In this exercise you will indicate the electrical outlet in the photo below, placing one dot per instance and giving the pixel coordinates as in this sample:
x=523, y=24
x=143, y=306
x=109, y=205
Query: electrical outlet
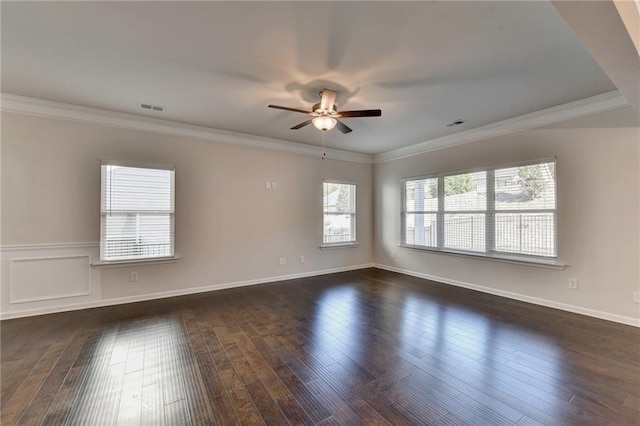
x=393, y=254
x=636, y=297
x=134, y=276
x=268, y=185
x=274, y=185
x=283, y=261
x=301, y=259
x=573, y=283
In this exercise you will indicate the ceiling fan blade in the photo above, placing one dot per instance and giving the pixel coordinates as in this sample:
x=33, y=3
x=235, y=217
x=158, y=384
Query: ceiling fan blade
x=301, y=125
x=362, y=113
x=328, y=98
x=343, y=127
x=289, y=109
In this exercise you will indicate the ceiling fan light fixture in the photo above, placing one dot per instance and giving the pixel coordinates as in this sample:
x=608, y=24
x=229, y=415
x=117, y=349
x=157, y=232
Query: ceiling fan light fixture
x=325, y=113
x=324, y=122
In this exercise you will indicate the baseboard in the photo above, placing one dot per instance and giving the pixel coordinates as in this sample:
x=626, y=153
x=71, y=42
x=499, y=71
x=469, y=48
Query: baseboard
x=516, y=296
x=174, y=293
x=221, y=286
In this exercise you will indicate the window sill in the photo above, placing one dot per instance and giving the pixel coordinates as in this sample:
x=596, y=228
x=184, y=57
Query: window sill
x=338, y=246
x=141, y=262
x=504, y=258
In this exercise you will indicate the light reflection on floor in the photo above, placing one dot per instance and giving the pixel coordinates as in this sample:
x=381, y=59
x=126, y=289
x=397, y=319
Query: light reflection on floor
x=133, y=375
x=334, y=325
x=445, y=340
x=487, y=355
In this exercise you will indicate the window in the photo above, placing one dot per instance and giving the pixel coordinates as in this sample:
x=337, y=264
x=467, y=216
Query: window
x=496, y=211
x=525, y=212
x=465, y=211
x=339, y=208
x=421, y=208
x=137, y=213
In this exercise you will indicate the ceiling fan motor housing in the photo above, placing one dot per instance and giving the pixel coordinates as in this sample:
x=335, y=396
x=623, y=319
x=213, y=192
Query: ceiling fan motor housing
x=317, y=108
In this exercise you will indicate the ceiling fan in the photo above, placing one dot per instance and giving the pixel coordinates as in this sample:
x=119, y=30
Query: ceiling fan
x=325, y=113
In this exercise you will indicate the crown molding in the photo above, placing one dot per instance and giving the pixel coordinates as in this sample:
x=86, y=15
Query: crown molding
x=62, y=111
x=87, y=115
x=595, y=104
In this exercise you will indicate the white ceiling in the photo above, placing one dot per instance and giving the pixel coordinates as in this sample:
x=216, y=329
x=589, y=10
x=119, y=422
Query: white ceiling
x=219, y=64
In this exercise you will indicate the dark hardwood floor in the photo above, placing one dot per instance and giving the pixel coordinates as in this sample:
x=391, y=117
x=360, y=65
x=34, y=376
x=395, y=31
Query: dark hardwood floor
x=364, y=347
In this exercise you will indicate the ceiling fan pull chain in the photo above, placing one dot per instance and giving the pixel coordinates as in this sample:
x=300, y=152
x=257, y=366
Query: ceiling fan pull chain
x=324, y=153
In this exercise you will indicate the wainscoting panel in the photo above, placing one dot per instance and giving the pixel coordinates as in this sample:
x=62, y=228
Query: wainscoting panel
x=45, y=278
x=38, y=277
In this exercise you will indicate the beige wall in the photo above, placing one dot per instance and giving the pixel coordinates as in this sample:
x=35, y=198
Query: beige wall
x=229, y=227
x=598, y=216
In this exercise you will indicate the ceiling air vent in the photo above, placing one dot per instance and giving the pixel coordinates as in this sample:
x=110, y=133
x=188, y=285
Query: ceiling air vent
x=151, y=107
x=456, y=123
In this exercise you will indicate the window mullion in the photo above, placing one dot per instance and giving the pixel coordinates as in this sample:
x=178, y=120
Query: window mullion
x=419, y=200
x=403, y=213
x=440, y=216
x=490, y=217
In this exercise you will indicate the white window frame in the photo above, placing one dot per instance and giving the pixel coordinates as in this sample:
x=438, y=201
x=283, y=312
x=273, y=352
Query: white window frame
x=353, y=241
x=490, y=215
x=104, y=213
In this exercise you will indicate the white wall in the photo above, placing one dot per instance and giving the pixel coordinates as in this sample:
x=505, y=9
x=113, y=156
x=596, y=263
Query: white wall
x=229, y=227
x=598, y=218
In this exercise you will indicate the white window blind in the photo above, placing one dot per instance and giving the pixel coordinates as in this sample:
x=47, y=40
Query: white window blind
x=420, y=225
x=137, y=213
x=525, y=210
x=465, y=210
x=499, y=210
x=339, y=208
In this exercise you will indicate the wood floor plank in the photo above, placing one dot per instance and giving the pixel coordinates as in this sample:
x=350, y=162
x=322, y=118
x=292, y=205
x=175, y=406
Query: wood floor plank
x=366, y=347
x=341, y=413
x=152, y=408
x=42, y=401
x=263, y=370
x=130, y=405
x=243, y=406
x=367, y=413
x=267, y=407
x=67, y=399
x=29, y=387
x=297, y=396
x=293, y=412
x=177, y=413
x=21, y=370
x=201, y=393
